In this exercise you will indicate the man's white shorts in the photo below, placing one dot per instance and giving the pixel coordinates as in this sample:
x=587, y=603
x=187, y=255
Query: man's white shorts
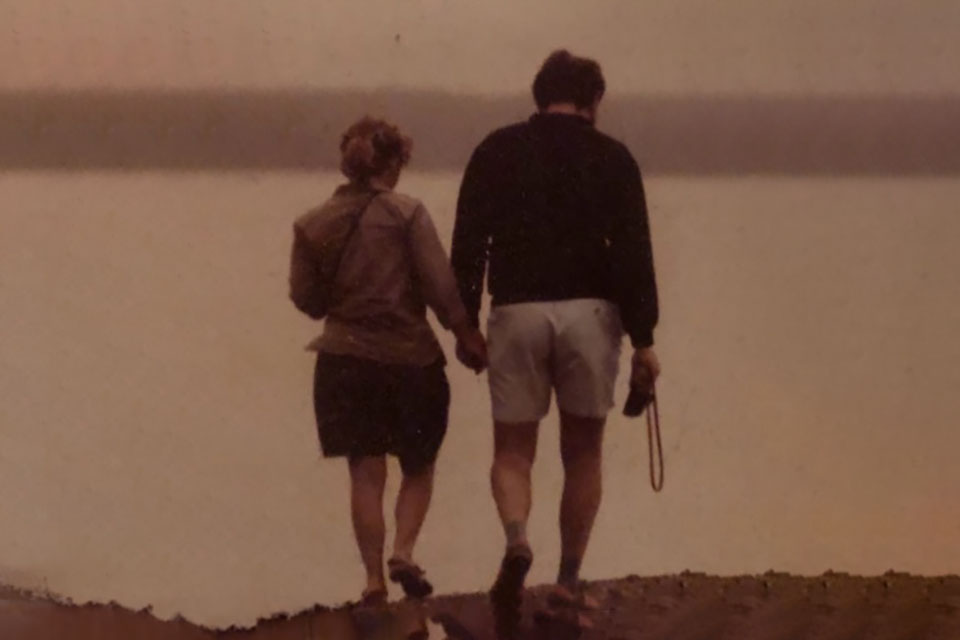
x=571, y=346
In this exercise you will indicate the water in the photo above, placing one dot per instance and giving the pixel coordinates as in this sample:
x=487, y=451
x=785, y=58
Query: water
x=157, y=443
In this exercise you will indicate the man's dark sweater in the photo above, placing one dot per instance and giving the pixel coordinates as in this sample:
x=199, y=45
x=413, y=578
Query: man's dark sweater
x=559, y=209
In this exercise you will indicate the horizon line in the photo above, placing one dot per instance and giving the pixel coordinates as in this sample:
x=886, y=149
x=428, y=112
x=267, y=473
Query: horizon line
x=690, y=134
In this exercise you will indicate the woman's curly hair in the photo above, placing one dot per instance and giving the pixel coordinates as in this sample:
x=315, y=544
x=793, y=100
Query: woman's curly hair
x=370, y=146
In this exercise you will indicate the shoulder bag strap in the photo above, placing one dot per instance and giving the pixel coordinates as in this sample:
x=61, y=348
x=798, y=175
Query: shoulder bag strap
x=354, y=225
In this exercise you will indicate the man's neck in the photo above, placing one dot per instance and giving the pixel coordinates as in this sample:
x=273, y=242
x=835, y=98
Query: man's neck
x=571, y=109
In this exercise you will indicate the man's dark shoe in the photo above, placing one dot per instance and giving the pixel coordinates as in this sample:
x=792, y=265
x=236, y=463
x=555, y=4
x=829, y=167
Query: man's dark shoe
x=513, y=570
x=506, y=595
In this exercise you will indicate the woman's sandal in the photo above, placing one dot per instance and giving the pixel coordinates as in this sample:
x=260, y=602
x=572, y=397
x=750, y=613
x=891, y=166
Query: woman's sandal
x=410, y=576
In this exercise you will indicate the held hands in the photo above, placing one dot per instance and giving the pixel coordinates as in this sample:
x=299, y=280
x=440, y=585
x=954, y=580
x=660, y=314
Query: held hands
x=472, y=349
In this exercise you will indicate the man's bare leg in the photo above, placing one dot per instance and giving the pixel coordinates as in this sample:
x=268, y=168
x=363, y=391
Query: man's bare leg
x=411, y=510
x=515, y=446
x=581, y=448
x=368, y=476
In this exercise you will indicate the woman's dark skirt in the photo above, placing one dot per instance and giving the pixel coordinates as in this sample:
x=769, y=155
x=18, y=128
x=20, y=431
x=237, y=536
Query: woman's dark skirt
x=367, y=408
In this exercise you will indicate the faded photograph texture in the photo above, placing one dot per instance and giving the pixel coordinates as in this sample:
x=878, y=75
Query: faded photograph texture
x=157, y=438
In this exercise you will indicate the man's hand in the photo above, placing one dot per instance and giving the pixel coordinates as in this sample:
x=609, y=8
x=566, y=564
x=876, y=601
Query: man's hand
x=472, y=349
x=645, y=368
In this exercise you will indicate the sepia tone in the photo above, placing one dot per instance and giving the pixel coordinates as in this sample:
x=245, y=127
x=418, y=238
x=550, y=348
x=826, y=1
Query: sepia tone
x=157, y=447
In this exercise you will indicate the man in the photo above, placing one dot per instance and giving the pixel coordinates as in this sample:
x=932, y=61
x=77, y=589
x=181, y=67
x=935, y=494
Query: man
x=558, y=209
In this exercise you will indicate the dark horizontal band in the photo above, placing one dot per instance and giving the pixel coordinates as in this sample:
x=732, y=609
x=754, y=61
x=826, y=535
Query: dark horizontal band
x=684, y=134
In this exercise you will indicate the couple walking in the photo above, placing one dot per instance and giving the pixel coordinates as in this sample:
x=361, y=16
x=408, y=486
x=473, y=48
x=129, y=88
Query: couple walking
x=556, y=210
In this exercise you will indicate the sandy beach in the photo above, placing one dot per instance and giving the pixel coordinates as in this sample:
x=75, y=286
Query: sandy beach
x=687, y=606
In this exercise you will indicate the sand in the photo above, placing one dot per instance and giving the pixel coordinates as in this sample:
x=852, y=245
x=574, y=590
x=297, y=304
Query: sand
x=686, y=606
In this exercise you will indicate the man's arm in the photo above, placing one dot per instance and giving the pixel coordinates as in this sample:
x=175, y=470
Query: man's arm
x=632, y=258
x=471, y=232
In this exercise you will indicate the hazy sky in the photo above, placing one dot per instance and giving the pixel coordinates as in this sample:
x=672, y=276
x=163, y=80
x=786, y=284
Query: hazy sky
x=853, y=46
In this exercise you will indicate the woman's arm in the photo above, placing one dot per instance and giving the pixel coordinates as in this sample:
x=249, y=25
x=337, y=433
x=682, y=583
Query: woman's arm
x=303, y=274
x=434, y=273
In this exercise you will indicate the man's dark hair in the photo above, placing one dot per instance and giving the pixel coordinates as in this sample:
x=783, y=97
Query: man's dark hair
x=565, y=77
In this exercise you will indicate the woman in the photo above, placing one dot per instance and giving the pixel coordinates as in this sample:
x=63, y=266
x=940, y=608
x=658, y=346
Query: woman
x=379, y=385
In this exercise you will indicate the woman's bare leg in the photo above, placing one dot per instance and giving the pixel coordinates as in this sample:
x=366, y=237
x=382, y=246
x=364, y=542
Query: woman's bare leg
x=411, y=510
x=368, y=476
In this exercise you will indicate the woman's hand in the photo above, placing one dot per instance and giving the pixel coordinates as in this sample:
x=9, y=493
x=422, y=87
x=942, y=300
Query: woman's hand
x=472, y=348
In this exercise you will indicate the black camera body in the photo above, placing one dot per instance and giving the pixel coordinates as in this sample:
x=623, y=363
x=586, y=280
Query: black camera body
x=638, y=400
